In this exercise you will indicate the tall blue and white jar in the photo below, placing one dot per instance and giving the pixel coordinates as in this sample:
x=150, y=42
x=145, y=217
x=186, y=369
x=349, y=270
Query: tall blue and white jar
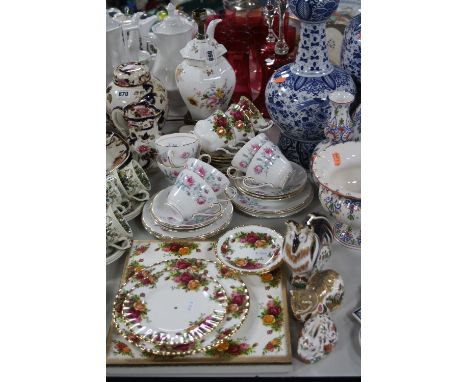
x=297, y=94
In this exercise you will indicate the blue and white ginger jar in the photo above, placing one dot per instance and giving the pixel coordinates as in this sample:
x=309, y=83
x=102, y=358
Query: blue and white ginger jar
x=351, y=48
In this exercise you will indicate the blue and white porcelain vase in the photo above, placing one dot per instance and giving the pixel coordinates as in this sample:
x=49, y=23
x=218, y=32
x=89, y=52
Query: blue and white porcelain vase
x=297, y=94
x=351, y=48
x=357, y=123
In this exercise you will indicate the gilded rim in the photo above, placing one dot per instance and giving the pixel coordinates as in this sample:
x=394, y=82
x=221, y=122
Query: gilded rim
x=250, y=272
x=128, y=324
x=188, y=238
x=190, y=352
x=280, y=197
x=276, y=216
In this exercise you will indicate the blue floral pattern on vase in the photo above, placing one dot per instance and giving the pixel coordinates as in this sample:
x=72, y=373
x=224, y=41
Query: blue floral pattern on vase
x=297, y=94
x=351, y=48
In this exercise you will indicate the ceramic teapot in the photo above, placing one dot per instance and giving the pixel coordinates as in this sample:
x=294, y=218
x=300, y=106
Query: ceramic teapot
x=170, y=36
x=133, y=83
x=205, y=78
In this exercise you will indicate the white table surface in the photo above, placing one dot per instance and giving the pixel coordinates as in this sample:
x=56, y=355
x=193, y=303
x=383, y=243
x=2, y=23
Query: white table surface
x=345, y=360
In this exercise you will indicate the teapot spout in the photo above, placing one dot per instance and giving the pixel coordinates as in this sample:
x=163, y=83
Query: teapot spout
x=211, y=28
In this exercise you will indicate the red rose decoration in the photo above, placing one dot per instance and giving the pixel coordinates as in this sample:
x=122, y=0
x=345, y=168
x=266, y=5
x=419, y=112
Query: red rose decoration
x=181, y=347
x=238, y=299
x=327, y=348
x=274, y=310
x=174, y=247
x=182, y=264
x=251, y=238
x=234, y=349
x=186, y=277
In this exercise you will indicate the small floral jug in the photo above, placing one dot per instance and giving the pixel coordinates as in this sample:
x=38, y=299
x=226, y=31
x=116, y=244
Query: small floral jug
x=132, y=82
x=141, y=120
x=205, y=78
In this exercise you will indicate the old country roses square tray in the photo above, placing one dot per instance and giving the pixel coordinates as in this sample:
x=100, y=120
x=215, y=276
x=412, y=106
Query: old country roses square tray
x=255, y=328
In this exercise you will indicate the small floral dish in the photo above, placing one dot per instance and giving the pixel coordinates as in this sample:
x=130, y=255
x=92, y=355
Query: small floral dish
x=294, y=185
x=165, y=216
x=337, y=169
x=173, y=312
x=250, y=249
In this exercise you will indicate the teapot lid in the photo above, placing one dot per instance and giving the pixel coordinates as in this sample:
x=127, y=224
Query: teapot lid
x=197, y=49
x=173, y=23
x=131, y=74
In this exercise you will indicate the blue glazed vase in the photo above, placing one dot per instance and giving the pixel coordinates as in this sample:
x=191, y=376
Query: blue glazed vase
x=351, y=48
x=297, y=94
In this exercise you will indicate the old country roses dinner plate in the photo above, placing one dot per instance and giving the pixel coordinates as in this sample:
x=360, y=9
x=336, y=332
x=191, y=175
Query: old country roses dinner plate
x=238, y=301
x=250, y=249
x=177, y=308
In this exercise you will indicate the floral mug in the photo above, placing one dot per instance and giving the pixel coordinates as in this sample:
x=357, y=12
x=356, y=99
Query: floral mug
x=269, y=167
x=191, y=195
x=216, y=133
x=175, y=149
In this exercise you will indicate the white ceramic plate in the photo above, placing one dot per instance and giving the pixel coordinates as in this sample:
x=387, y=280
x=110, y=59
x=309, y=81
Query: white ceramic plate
x=274, y=208
x=237, y=296
x=295, y=184
x=206, y=232
x=250, y=249
x=166, y=218
x=117, y=151
x=176, y=308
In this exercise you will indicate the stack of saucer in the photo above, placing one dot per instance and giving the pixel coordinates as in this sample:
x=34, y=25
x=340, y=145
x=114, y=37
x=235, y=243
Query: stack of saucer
x=270, y=186
x=221, y=160
x=197, y=206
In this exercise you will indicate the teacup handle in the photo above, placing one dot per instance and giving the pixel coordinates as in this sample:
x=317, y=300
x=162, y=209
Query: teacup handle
x=229, y=190
x=170, y=157
x=124, y=243
x=123, y=207
x=118, y=119
x=207, y=214
x=263, y=129
x=246, y=182
x=144, y=193
x=231, y=174
x=207, y=156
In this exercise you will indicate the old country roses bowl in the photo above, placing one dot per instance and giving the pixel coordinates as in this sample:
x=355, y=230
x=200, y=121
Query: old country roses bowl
x=250, y=249
x=338, y=171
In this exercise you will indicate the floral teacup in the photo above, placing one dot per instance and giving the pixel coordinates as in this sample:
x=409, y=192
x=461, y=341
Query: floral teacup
x=269, y=167
x=242, y=127
x=216, y=133
x=135, y=181
x=118, y=231
x=171, y=173
x=259, y=123
x=215, y=178
x=244, y=156
x=191, y=195
x=175, y=149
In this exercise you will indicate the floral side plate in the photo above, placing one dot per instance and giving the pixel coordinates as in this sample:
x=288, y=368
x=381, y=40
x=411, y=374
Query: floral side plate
x=163, y=233
x=250, y=249
x=295, y=184
x=185, y=269
x=117, y=151
x=165, y=216
x=172, y=311
x=254, y=206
